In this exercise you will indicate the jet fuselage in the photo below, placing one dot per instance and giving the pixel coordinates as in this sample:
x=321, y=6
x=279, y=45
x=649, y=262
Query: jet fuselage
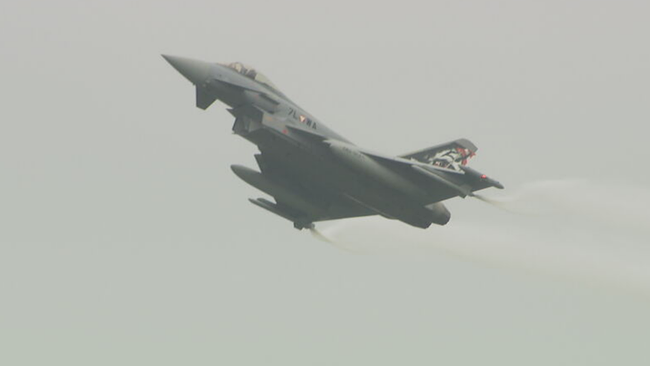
x=313, y=173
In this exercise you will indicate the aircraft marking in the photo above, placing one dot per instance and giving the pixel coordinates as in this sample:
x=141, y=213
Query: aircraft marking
x=301, y=118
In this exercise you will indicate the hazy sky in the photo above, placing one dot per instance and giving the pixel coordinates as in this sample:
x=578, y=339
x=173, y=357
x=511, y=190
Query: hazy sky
x=125, y=238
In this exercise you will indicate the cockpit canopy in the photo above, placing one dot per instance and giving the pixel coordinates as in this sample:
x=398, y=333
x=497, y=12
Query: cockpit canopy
x=253, y=74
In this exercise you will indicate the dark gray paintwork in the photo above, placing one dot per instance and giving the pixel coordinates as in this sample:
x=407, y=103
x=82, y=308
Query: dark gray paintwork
x=313, y=173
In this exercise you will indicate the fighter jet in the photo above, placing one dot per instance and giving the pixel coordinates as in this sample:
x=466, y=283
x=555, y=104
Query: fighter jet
x=315, y=174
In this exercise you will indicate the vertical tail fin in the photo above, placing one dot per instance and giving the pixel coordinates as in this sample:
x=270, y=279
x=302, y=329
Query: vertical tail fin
x=450, y=155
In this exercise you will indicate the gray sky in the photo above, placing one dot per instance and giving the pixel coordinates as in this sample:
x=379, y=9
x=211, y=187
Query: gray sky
x=125, y=238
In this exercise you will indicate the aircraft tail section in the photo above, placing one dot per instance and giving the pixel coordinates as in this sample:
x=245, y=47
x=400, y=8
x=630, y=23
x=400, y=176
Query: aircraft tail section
x=450, y=155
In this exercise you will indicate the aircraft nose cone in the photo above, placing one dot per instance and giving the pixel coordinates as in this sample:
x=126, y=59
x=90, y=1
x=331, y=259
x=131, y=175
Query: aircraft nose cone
x=194, y=70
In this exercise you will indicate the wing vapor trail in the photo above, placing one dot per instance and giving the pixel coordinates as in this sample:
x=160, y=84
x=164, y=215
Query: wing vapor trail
x=567, y=229
x=318, y=235
x=322, y=237
x=594, y=203
x=502, y=204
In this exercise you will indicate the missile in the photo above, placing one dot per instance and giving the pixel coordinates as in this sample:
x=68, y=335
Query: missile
x=272, y=207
